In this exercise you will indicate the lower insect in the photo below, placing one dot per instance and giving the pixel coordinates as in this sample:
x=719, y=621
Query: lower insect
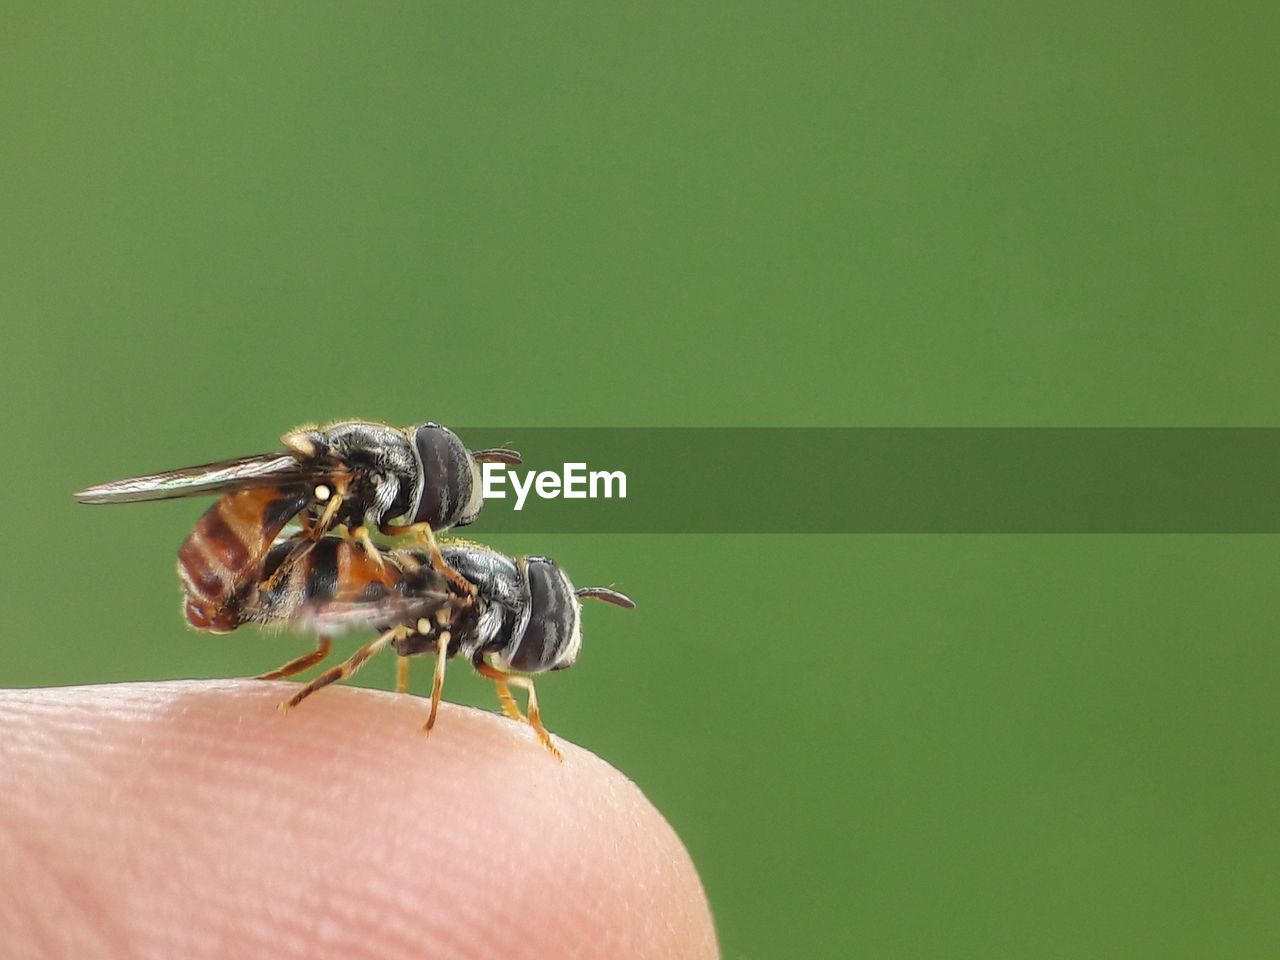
x=521, y=618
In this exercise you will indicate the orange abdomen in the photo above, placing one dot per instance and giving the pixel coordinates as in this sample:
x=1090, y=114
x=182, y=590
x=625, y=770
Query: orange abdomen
x=222, y=558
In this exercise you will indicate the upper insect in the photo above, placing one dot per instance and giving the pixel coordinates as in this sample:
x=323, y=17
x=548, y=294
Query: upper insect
x=363, y=474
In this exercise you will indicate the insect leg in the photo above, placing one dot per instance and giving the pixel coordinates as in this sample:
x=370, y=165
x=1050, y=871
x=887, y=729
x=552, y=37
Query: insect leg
x=427, y=538
x=344, y=669
x=402, y=674
x=305, y=524
x=298, y=664
x=437, y=682
x=361, y=536
x=323, y=524
x=535, y=717
x=509, y=705
x=310, y=536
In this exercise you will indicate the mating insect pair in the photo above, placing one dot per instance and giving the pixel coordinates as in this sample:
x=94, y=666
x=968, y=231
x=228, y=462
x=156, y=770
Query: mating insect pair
x=509, y=617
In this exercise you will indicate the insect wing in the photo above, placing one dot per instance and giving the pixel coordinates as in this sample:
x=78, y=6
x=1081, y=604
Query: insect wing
x=261, y=470
x=339, y=615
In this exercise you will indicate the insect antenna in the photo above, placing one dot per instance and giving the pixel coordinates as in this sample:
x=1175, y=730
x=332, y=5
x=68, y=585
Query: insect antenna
x=608, y=596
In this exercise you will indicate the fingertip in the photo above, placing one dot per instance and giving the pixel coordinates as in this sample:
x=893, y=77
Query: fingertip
x=337, y=829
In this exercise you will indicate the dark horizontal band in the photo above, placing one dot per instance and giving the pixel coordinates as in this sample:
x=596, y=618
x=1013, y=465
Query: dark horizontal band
x=899, y=480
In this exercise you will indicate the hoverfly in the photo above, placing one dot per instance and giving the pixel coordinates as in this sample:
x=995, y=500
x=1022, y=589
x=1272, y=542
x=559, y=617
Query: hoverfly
x=359, y=475
x=523, y=618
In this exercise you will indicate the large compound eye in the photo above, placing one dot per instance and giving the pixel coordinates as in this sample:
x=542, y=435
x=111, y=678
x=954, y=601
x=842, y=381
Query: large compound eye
x=446, y=477
x=552, y=634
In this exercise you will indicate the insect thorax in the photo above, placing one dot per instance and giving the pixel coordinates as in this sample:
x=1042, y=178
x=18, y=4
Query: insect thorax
x=383, y=466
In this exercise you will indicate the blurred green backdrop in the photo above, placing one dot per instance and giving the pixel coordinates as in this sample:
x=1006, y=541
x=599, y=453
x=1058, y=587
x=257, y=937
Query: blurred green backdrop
x=220, y=221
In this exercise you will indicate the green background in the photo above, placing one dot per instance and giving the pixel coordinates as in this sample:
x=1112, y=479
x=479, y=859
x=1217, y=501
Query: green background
x=220, y=221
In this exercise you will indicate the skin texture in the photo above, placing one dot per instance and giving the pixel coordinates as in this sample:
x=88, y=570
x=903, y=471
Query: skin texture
x=191, y=819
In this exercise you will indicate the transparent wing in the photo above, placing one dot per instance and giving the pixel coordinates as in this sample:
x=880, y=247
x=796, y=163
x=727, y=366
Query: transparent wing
x=261, y=470
x=338, y=615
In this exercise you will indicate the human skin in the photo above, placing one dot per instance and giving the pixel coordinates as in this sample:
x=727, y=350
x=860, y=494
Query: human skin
x=193, y=820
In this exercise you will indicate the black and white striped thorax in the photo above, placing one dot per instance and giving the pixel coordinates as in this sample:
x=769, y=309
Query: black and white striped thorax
x=530, y=619
x=379, y=461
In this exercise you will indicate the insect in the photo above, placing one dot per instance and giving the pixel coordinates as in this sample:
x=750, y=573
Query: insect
x=360, y=475
x=523, y=618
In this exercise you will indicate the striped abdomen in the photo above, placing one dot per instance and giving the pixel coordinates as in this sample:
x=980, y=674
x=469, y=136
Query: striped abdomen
x=337, y=586
x=221, y=562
